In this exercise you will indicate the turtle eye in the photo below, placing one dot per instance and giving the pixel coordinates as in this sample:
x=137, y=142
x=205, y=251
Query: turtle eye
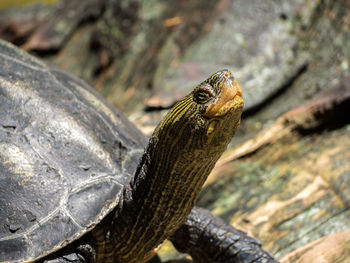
x=202, y=96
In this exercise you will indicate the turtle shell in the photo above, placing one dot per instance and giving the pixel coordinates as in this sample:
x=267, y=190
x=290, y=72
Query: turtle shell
x=65, y=157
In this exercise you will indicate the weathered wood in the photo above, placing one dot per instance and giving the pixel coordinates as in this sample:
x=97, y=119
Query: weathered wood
x=333, y=248
x=17, y=24
x=290, y=184
x=55, y=29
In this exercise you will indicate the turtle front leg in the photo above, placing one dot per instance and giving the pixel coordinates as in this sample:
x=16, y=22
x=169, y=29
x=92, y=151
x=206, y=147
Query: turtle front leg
x=208, y=238
x=69, y=258
x=80, y=254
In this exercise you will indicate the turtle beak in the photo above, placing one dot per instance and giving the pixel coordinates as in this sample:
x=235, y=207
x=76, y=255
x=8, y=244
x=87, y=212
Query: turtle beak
x=230, y=98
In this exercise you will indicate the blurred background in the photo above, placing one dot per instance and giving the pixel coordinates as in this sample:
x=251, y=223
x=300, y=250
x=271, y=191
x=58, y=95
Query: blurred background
x=285, y=178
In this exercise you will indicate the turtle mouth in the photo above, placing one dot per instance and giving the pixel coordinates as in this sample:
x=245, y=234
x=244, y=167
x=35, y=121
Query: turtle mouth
x=233, y=105
x=229, y=100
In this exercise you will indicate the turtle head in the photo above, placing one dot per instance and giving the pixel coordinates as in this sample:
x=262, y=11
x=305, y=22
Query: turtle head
x=208, y=117
x=180, y=155
x=219, y=101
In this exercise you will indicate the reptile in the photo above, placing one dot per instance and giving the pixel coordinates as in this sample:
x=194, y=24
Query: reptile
x=80, y=183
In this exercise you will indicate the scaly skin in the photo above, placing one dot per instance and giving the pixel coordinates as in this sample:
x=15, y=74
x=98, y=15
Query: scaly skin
x=208, y=239
x=180, y=155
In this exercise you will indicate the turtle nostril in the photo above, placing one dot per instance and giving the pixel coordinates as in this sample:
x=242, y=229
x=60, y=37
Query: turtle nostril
x=231, y=77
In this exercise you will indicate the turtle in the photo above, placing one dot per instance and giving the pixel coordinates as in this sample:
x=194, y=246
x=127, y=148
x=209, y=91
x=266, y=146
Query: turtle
x=80, y=183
